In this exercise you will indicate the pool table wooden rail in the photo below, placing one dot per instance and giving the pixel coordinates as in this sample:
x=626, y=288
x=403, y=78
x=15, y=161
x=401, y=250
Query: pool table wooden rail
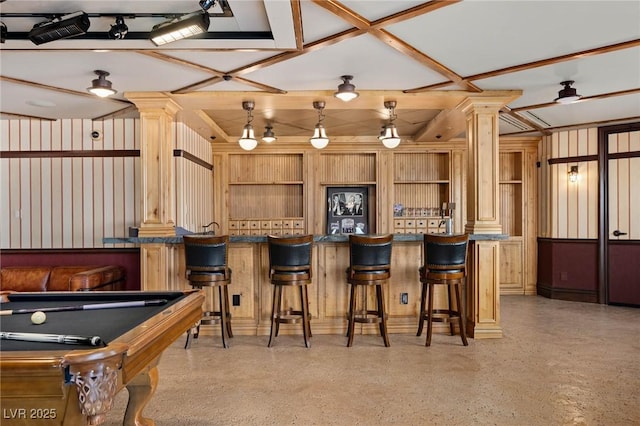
x=77, y=387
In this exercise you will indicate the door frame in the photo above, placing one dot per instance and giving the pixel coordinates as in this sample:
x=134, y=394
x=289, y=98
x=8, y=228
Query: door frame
x=603, y=201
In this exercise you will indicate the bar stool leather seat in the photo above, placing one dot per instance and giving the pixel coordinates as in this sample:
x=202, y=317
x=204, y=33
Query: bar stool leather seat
x=290, y=266
x=369, y=267
x=445, y=260
x=206, y=266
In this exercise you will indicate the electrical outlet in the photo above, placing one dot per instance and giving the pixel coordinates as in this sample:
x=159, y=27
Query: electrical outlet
x=404, y=298
x=235, y=300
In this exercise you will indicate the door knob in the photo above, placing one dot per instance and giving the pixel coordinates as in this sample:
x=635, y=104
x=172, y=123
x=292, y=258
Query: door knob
x=617, y=233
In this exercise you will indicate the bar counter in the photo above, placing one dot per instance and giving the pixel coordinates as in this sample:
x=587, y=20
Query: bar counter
x=162, y=266
x=263, y=239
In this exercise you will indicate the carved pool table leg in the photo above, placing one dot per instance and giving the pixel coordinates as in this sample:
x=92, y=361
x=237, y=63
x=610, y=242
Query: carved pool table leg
x=141, y=389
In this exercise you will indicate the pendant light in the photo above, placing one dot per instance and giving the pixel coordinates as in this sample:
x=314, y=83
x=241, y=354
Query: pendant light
x=319, y=139
x=248, y=139
x=389, y=136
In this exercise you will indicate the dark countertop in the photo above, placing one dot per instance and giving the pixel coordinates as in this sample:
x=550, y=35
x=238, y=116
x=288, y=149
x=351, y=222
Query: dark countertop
x=263, y=239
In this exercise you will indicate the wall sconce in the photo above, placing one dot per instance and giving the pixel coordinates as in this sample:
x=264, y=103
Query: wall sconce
x=268, y=136
x=573, y=174
x=389, y=134
x=248, y=139
x=346, y=90
x=101, y=86
x=319, y=139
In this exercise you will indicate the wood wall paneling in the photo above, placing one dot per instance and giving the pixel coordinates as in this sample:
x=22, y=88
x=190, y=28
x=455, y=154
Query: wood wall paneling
x=67, y=201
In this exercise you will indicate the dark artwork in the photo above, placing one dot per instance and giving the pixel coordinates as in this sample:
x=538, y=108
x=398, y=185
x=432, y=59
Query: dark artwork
x=347, y=210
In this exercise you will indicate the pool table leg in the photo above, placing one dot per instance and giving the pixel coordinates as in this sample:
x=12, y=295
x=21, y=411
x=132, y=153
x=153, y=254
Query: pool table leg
x=141, y=389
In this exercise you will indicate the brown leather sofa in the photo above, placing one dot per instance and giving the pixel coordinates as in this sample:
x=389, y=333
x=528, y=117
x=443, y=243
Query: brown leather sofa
x=62, y=278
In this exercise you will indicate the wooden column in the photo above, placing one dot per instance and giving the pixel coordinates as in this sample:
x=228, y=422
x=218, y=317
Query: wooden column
x=483, y=217
x=157, y=114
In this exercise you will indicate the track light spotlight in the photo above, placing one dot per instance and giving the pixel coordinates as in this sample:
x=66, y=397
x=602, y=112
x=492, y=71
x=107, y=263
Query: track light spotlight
x=346, y=90
x=180, y=28
x=71, y=25
x=206, y=4
x=101, y=86
x=119, y=29
x=3, y=32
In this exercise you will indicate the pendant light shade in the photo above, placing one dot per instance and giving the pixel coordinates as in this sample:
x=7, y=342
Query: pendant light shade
x=248, y=139
x=390, y=138
x=101, y=86
x=346, y=90
x=319, y=139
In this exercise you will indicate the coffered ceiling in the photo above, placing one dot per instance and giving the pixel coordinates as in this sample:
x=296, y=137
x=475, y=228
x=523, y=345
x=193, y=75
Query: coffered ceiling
x=283, y=55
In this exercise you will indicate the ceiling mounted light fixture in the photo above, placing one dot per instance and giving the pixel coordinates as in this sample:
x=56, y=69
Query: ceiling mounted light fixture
x=389, y=135
x=248, y=140
x=3, y=32
x=101, y=86
x=207, y=4
x=568, y=94
x=66, y=26
x=268, y=136
x=319, y=139
x=346, y=90
x=118, y=30
x=177, y=29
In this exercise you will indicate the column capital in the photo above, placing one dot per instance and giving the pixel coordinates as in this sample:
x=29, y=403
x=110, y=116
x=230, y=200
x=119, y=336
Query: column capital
x=153, y=102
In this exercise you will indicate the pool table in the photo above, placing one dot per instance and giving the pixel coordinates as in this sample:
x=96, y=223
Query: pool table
x=75, y=384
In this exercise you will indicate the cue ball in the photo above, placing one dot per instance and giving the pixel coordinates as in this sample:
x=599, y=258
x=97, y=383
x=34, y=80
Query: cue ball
x=38, y=317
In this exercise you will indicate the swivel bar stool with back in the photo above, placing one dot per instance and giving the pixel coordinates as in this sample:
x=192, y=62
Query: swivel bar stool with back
x=445, y=260
x=206, y=267
x=369, y=266
x=290, y=266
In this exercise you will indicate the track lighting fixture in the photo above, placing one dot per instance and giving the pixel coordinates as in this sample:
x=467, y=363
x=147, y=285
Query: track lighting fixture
x=346, y=90
x=568, y=94
x=3, y=32
x=268, y=136
x=319, y=139
x=101, y=86
x=389, y=135
x=207, y=4
x=177, y=29
x=119, y=29
x=66, y=26
x=248, y=140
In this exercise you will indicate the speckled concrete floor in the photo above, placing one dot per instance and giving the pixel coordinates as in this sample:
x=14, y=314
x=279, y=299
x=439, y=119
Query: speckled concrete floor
x=559, y=363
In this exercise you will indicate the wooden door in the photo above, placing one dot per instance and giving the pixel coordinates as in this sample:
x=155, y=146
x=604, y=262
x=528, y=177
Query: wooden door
x=621, y=227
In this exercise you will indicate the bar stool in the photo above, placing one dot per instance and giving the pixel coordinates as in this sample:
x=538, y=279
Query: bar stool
x=206, y=265
x=290, y=266
x=369, y=266
x=445, y=260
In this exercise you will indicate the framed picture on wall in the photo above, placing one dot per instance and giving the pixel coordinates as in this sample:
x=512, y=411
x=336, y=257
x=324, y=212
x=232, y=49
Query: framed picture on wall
x=347, y=210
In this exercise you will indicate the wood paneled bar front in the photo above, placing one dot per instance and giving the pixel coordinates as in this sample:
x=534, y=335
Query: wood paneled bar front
x=328, y=294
